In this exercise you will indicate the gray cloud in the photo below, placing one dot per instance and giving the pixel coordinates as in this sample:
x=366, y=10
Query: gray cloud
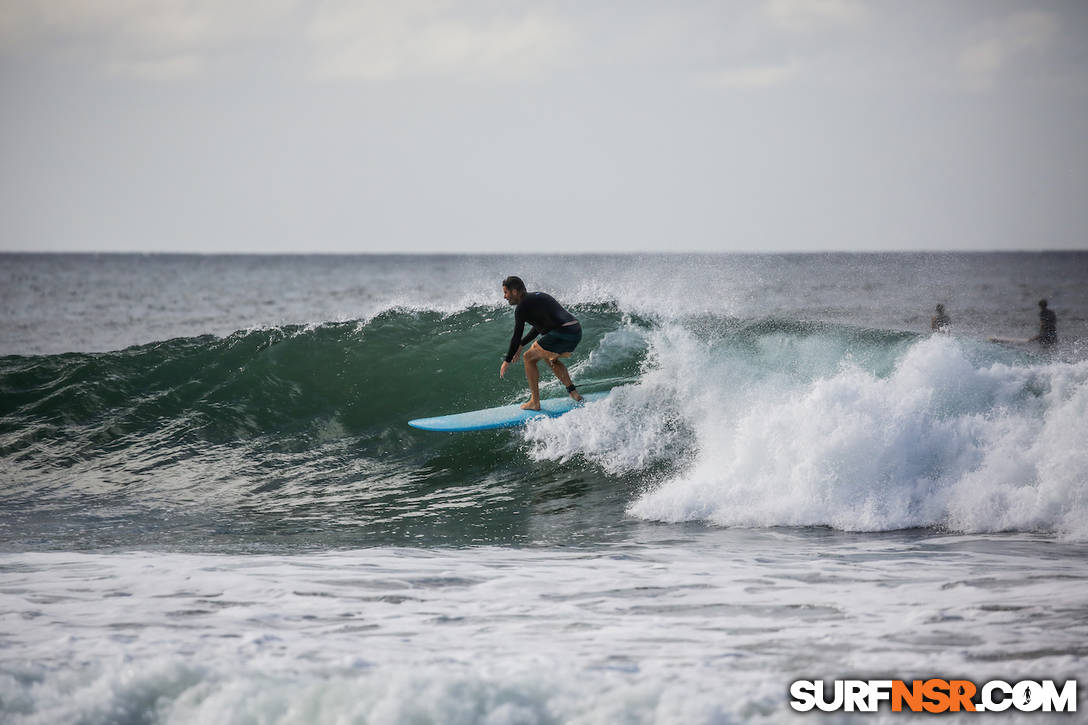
x=807, y=15
x=387, y=41
x=1000, y=44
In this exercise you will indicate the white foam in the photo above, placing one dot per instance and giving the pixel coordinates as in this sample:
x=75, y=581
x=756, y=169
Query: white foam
x=169, y=691
x=709, y=630
x=635, y=427
x=940, y=441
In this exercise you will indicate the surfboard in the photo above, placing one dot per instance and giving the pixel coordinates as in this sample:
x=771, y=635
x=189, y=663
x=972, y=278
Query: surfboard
x=505, y=416
x=1011, y=340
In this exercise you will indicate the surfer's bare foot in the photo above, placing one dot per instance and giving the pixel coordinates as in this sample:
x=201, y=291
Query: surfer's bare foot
x=531, y=405
x=577, y=397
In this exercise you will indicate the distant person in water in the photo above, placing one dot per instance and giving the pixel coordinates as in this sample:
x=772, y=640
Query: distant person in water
x=1048, y=325
x=560, y=332
x=941, y=322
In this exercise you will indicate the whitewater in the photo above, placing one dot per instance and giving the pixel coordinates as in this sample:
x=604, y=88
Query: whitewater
x=212, y=509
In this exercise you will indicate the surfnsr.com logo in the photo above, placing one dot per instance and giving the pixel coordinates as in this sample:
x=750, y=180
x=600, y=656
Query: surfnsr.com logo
x=934, y=695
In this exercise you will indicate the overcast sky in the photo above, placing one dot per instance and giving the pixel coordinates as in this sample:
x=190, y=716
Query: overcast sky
x=552, y=125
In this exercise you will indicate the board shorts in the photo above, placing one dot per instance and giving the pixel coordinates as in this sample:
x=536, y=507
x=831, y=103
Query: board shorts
x=562, y=339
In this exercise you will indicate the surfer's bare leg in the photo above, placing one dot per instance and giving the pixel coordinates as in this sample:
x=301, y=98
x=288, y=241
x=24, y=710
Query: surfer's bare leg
x=532, y=374
x=561, y=372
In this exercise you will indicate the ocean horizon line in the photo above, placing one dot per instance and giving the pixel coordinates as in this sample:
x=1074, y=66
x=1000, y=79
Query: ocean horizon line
x=587, y=254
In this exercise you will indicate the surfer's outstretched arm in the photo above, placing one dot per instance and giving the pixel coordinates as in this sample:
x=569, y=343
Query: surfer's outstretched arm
x=506, y=364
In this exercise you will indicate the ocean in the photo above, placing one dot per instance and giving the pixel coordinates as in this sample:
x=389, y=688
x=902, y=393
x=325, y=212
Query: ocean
x=212, y=509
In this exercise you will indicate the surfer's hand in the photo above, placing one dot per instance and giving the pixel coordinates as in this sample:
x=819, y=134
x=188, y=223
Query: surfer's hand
x=502, y=370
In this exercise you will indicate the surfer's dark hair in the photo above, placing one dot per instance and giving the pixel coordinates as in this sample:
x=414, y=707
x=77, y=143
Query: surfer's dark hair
x=514, y=283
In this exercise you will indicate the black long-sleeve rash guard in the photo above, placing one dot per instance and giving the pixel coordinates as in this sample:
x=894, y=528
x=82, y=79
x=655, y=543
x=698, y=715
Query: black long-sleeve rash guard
x=542, y=312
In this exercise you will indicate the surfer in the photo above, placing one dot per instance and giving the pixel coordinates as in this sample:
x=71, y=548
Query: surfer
x=941, y=322
x=1048, y=326
x=561, y=334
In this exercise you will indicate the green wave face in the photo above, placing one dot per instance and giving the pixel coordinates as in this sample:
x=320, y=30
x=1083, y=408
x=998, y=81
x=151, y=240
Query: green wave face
x=279, y=431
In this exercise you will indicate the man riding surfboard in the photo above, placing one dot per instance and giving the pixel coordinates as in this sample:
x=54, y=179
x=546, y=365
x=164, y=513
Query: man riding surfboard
x=560, y=334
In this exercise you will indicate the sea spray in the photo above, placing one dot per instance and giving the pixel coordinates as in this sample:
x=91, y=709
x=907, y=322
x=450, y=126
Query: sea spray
x=844, y=430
